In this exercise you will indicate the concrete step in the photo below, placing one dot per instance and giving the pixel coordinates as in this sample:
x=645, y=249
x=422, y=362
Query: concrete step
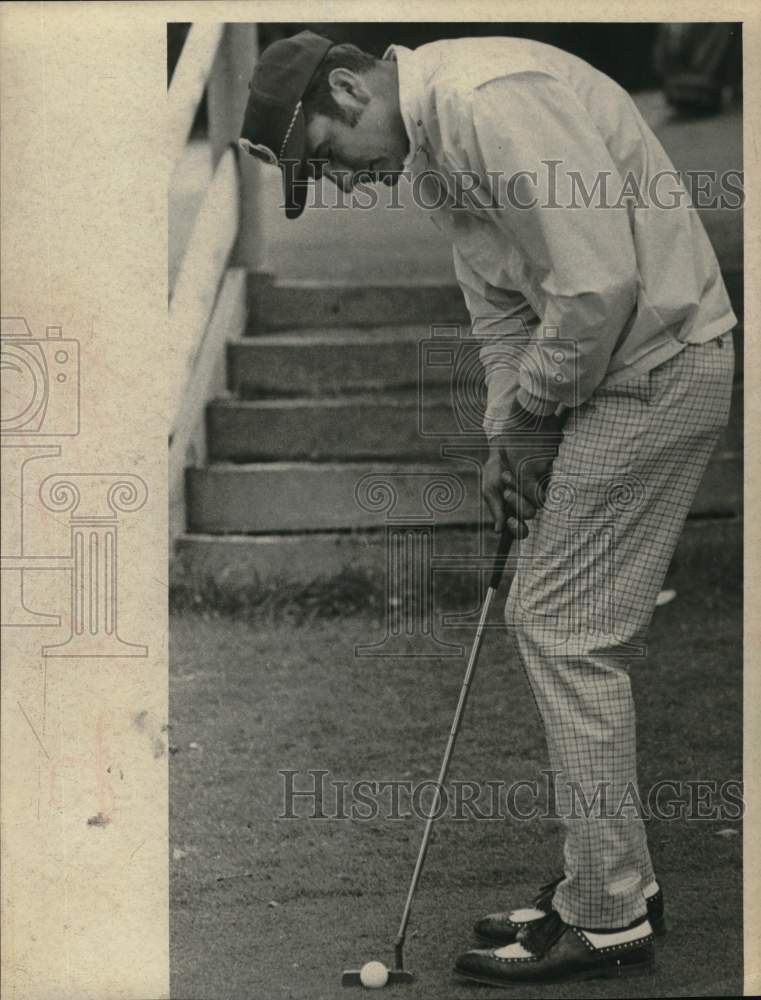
x=386, y=425
x=298, y=304
x=304, y=496
x=329, y=361
x=373, y=426
x=248, y=562
x=324, y=362
x=324, y=338
x=237, y=570
x=349, y=496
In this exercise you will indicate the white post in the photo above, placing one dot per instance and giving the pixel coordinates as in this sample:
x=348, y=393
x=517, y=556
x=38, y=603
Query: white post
x=227, y=97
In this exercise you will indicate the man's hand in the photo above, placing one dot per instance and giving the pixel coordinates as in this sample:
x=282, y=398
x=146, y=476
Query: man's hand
x=515, y=473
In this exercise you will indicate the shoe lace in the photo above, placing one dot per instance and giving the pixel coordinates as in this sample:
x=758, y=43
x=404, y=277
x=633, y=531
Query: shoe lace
x=538, y=936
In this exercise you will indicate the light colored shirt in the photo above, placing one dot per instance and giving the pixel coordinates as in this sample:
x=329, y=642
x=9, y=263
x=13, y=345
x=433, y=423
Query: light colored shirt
x=586, y=287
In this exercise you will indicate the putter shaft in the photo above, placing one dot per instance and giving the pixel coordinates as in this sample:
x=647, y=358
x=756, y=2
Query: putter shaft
x=500, y=560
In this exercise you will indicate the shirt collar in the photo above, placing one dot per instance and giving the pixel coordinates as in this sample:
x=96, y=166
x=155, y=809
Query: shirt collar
x=410, y=98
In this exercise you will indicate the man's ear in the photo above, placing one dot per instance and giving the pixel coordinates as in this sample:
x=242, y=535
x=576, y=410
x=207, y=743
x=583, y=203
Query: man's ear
x=348, y=89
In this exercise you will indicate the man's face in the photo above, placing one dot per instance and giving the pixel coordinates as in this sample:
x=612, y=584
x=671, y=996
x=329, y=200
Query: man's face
x=368, y=139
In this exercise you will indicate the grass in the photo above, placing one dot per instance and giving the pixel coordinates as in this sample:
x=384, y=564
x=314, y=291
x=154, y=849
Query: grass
x=265, y=908
x=351, y=592
x=347, y=593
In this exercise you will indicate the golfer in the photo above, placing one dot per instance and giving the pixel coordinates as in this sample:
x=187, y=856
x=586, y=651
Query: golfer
x=608, y=361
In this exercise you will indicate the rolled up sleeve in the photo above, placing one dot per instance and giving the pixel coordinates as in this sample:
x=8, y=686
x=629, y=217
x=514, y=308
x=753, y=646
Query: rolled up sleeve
x=536, y=144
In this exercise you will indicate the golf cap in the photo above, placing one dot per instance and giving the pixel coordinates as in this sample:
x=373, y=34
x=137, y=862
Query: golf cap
x=274, y=126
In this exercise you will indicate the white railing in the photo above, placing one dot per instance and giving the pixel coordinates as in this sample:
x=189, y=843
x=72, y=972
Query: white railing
x=207, y=305
x=189, y=80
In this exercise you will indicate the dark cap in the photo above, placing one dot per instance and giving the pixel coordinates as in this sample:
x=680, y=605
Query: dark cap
x=274, y=126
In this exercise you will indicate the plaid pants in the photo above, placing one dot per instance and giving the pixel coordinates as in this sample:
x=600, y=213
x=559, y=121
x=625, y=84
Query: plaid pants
x=583, y=598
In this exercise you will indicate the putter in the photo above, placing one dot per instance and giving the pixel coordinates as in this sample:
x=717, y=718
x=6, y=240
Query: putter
x=351, y=977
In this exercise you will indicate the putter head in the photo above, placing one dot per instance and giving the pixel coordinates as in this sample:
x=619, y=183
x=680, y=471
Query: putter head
x=350, y=977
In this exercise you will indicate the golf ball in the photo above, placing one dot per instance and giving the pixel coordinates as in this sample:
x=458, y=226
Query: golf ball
x=373, y=975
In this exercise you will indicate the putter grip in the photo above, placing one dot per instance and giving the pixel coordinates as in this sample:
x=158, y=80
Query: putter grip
x=500, y=557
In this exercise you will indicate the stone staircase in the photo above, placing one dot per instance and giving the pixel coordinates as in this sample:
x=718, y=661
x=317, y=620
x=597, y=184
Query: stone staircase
x=325, y=399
